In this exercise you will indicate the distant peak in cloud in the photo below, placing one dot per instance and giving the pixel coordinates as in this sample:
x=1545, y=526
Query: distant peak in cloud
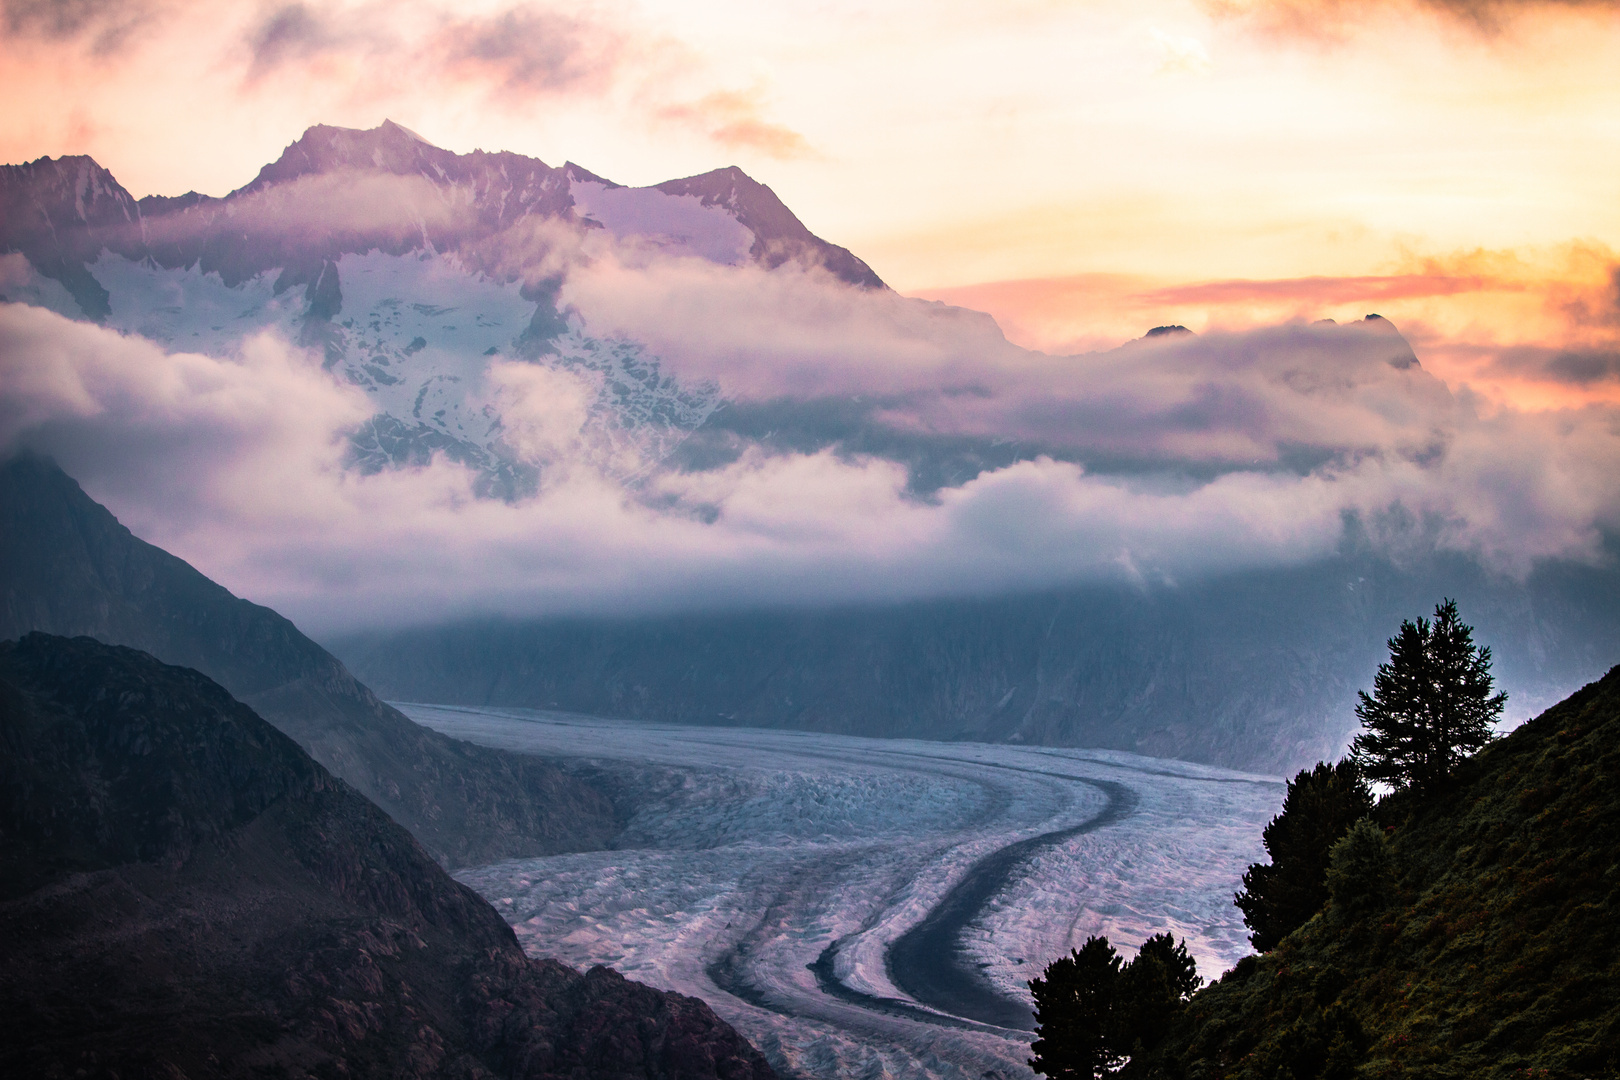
x=1166, y=331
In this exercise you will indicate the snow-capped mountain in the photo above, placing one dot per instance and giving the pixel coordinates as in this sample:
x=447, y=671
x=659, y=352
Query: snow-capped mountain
x=413, y=269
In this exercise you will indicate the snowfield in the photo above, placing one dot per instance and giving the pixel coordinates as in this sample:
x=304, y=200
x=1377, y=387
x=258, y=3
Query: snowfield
x=871, y=907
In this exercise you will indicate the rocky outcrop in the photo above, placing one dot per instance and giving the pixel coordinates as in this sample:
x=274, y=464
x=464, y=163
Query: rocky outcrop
x=68, y=567
x=183, y=892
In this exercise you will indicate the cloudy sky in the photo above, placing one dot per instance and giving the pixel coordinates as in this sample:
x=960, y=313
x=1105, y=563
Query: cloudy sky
x=1080, y=170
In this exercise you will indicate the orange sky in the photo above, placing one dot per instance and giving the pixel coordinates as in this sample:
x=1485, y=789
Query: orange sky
x=1082, y=170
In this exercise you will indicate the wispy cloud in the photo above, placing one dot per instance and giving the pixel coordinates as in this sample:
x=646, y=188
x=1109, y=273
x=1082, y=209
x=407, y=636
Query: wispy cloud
x=531, y=50
x=1338, y=19
x=737, y=119
x=105, y=26
x=521, y=52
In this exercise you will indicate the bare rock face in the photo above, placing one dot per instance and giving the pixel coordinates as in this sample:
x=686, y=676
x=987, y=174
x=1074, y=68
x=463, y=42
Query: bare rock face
x=183, y=892
x=68, y=567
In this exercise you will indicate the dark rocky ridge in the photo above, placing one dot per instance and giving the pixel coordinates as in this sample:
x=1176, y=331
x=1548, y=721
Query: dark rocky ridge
x=1250, y=671
x=186, y=893
x=68, y=567
x=62, y=213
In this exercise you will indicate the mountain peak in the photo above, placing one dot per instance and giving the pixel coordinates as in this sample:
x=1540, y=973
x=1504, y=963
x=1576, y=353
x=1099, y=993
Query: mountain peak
x=389, y=127
x=1377, y=324
x=388, y=147
x=781, y=236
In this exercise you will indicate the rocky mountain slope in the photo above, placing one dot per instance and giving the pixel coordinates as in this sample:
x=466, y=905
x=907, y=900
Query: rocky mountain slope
x=68, y=567
x=183, y=892
x=1252, y=671
x=1488, y=947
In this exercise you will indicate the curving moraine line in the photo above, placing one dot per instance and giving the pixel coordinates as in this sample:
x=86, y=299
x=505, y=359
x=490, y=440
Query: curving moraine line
x=927, y=962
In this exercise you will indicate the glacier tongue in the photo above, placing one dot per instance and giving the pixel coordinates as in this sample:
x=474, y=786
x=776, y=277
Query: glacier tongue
x=771, y=874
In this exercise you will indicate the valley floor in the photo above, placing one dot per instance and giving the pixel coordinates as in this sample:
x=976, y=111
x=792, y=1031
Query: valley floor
x=871, y=907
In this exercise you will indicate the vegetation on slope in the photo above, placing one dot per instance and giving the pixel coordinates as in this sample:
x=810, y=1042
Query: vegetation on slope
x=1475, y=932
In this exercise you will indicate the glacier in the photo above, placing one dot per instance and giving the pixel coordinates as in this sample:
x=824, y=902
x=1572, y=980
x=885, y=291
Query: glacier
x=784, y=877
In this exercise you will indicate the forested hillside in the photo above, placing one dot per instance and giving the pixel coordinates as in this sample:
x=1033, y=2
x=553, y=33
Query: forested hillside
x=1479, y=937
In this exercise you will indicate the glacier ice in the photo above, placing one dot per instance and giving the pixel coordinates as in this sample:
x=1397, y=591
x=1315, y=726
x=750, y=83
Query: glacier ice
x=753, y=856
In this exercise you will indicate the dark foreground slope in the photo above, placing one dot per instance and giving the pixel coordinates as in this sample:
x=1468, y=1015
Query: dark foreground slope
x=68, y=567
x=183, y=892
x=1251, y=671
x=1495, y=954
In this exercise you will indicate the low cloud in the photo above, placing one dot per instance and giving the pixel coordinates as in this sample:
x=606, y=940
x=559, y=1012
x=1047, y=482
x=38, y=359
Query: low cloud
x=1524, y=328
x=236, y=465
x=1240, y=399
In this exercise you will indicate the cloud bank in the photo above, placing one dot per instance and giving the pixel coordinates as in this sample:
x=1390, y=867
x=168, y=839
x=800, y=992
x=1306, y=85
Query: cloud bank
x=1162, y=461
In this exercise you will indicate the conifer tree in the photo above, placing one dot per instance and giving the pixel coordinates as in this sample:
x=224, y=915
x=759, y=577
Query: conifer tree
x=1319, y=807
x=1074, y=1013
x=1152, y=990
x=1431, y=704
x=1093, y=1011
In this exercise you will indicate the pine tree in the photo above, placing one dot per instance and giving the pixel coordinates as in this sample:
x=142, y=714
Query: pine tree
x=1152, y=990
x=1074, y=1013
x=1093, y=1012
x=1431, y=704
x=1319, y=807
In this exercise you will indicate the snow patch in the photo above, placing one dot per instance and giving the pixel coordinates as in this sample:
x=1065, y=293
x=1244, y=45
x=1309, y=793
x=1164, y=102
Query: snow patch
x=679, y=223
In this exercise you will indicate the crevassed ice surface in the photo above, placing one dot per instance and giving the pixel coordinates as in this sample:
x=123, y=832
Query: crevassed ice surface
x=772, y=873
x=419, y=333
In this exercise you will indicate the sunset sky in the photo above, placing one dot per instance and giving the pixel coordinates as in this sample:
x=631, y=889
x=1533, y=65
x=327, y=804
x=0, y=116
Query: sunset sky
x=1082, y=170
